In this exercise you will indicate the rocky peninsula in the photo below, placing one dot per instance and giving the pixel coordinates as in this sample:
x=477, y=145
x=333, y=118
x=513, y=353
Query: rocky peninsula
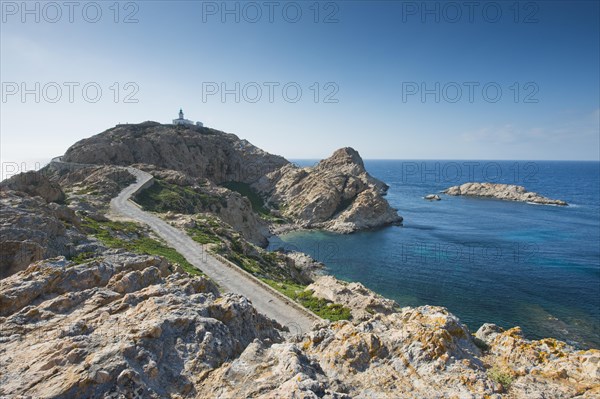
x=337, y=195
x=508, y=192
x=94, y=306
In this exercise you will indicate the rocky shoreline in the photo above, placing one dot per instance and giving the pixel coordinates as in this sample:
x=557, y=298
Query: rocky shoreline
x=132, y=325
x=91, y=307
x=508, y=192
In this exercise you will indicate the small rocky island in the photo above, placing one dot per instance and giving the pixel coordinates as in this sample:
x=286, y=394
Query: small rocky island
x=508, y=192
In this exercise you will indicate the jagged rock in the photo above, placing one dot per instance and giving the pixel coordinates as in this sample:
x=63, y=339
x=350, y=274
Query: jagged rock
x=35, y=184
x=132, y=325
x=32, y=229
x=487, y=332
x=546, y=368
x=196, y=151
x=90, y=188
x=337, y=194
x=508, y=192
x=122, y=326
x=432, y=197
x=304, y=263
x=362, y=302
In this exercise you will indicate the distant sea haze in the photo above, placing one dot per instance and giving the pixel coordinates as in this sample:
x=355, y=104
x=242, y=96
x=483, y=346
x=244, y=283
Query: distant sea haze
x=503, y=262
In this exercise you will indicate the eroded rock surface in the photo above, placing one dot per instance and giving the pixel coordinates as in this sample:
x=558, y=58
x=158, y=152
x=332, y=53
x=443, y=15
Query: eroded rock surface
x=508, y=192
x=337, y=194
x=32, y=229
x=132, y=325
x=121, y=325
x=34, y=184
x=196, y=151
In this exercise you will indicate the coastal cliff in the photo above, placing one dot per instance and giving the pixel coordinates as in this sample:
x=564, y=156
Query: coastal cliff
x=95, y=306
x=196, y=151
x=336, y=195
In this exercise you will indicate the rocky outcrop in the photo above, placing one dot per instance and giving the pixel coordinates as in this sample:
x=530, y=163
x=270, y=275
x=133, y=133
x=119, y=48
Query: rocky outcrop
x=34, y=184
x=362, y=302
x=32, y=229
x=196, y=151
x=127, y=325
x=306, y=264
x=413, y=352
x=508, y=192
x=337, y=194
x=547, y=368
x=432, y=197
x=203, y=196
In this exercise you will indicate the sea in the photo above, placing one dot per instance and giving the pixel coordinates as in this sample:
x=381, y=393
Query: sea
x=486, y=260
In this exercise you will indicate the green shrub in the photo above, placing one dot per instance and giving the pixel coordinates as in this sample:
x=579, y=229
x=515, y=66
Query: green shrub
x=506, y=378
x=164, y=197
x=82, y=257
x=247, y=191
x=322, y=307
x=203, y=235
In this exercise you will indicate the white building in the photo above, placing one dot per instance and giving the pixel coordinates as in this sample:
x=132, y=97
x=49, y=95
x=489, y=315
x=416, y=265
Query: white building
x=182, y=121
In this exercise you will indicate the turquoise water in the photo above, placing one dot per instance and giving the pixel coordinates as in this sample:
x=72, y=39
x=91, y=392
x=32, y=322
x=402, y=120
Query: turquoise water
x=486, y=260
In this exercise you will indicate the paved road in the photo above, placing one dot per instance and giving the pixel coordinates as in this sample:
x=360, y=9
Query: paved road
x=231, y=279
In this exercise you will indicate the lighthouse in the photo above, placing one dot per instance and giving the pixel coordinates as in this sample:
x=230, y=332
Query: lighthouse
x=181, y=120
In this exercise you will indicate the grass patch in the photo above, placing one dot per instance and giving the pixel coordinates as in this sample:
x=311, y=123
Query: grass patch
x=258, y=205
x=505, y=378
x=82, y=257
x=322, y=307
x=203, y=235
x=260, y=263
x=244, y=189
x=163, y=197
x=131, y=236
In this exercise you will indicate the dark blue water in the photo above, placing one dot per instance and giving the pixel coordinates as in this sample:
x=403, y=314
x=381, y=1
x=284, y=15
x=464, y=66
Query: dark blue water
x=486, y=260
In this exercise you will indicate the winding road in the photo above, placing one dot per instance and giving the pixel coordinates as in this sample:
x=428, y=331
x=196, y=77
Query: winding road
x=230, y=278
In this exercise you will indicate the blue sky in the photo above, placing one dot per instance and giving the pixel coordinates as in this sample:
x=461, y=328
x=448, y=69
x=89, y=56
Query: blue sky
x=373, y=59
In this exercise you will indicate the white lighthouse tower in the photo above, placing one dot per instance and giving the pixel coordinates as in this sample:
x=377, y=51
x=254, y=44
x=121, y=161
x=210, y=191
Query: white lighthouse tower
x=181, y=120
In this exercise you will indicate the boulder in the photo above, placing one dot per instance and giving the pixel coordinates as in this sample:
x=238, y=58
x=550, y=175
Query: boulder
x=34, y=183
